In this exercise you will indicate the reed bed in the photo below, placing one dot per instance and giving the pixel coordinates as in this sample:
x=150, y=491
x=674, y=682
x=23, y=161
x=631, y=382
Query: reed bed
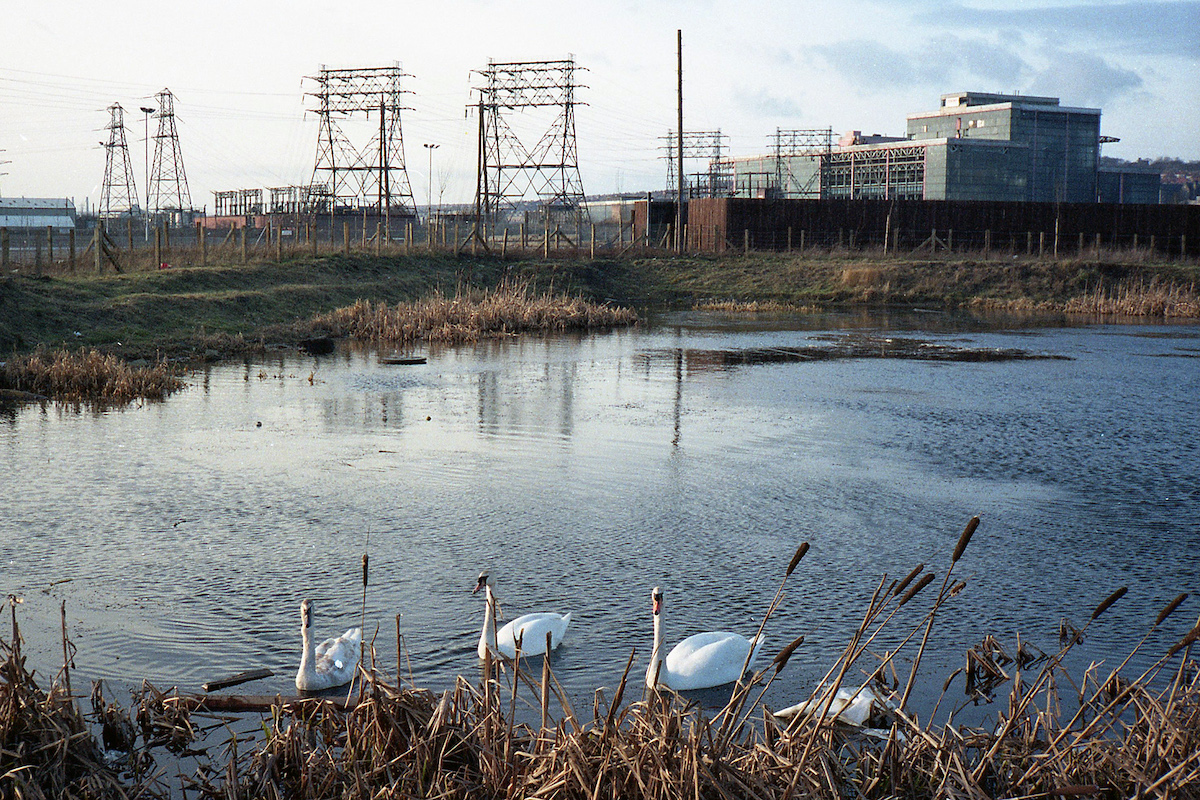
x=1129, y=298
x=513, y=307
x=88, y=376
x=754, y=307
x=1140, y=298
x=1104, y=733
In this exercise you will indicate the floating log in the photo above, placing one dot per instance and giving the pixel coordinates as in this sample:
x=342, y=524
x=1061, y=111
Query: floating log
x=17, y=396
x=402, y=360
x=235, y=680
x=255, y=702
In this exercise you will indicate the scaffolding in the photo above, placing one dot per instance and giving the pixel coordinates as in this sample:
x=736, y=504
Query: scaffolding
x=118, y=196
x=367, y=177
x=510, y=170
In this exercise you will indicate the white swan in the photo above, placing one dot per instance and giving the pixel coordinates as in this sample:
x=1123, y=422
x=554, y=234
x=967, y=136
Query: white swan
x=700, y=661
x=531, y=629
x=332, y=662
x=849, y=707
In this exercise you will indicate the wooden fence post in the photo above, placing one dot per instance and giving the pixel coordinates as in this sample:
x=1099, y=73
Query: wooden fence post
x=378, y=238
x=593, y=240
x=158, y=241
x=242, y=242
x=97, y=238
x=1028, y=243
x=1081, y=243
x=4, y=245
x=50, y=245
x=987, y=242
x=504, y=246
x=166, y=236
x=950, y=240
x=745, y=240
x=71, y=248
x=202, y=237
x=1183, y=246
x=1097, y=245
x=802, y=232
x=1152, y=244
x=346, y=238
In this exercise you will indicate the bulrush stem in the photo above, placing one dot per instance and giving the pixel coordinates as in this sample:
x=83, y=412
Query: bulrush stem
x=963, y=540
x=733, y=708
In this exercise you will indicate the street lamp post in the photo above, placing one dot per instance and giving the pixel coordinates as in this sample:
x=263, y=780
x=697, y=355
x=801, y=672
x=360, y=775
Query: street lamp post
x=429, y=212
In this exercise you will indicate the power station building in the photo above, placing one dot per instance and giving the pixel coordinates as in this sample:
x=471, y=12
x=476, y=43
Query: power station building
x=976, y=146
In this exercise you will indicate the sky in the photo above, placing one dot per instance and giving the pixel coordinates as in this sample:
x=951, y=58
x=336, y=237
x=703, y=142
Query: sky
x=238, y=72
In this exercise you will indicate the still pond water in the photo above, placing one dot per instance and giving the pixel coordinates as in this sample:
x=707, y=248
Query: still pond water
x=583, y=471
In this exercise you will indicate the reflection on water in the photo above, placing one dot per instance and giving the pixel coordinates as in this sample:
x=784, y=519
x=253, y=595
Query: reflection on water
x=582, y=471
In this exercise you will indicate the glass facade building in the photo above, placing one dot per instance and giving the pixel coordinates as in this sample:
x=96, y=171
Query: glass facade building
x=976, y=146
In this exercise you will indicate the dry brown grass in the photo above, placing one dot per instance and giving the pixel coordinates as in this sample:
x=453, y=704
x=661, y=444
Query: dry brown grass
x=1132, y=298
x=754, y=307
x=88, y=376
x=1102, y=734
x=513, y=307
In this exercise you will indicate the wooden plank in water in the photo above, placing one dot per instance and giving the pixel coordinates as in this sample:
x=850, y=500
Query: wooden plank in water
x=255, y=702
x=235, y=680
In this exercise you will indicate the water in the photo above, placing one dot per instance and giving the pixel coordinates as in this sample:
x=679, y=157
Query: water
x=584, y=471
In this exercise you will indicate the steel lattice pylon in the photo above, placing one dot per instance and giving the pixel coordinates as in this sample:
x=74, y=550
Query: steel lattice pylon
x=790, y=143
x=168, y=190
x=510, y=170
x=717, y=181
x=118, y=195
x=350, y=178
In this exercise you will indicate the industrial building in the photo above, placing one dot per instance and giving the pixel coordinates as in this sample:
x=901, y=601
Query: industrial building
x=37, y=213
x=976, y=146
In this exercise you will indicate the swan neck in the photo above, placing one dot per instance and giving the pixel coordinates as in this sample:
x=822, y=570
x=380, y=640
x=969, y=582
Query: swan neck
x=487, y=638
x=307, y=655
x=653, y=672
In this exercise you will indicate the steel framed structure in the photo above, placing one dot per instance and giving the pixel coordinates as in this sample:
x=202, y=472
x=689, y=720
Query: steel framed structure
x=118, y=194
x=373, y=175
x=168, y=190
x=710, y=146
x=510, y=169
x=787, y=144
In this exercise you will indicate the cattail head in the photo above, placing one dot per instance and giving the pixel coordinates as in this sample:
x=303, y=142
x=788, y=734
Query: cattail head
x=965, y=539
x=800, y=551
x=909, y=579
x=1108, y=601
x=1191, y=637
x=781, y=659
x=365, y=559
x=926, y=579
x=1169, y=610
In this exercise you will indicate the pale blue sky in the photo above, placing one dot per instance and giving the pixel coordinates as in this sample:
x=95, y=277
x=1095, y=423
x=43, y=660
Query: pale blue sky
x=237, y=72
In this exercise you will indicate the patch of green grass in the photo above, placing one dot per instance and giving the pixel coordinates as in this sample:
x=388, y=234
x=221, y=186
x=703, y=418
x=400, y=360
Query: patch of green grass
x=176, y=311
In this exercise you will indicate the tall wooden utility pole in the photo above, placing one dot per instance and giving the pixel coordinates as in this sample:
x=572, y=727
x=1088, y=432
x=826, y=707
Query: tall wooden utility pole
x=679, y=146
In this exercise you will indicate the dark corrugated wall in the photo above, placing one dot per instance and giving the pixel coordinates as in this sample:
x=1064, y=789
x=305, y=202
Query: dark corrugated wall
x=718, y=224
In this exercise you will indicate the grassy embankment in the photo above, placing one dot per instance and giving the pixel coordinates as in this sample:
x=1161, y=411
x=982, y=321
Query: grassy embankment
x=221, y=310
